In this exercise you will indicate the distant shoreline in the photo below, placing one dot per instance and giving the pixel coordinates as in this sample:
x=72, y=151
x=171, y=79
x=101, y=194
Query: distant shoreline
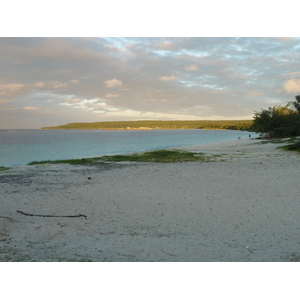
x=245, y=125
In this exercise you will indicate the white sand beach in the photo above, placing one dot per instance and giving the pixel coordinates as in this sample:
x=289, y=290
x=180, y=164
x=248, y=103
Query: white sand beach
x=243, y=206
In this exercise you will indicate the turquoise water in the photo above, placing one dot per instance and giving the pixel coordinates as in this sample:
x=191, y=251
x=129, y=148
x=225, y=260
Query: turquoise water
x=20, y=147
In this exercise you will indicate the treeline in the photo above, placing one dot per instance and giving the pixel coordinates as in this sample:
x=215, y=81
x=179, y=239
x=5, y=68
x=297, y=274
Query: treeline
x=280, y=120
x=154, y=124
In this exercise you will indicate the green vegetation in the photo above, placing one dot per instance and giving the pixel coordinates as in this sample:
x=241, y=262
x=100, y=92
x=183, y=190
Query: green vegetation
x=153, y=124
x=277, y=140
x=295, y=146
x=280, y=121
x=162, y=156
x=81, y=161
x=4, y=169
x=293, y=143
x=291, y=147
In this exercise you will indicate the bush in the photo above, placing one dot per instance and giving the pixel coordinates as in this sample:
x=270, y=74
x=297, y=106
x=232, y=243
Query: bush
x=295, y=146
x=279, y=121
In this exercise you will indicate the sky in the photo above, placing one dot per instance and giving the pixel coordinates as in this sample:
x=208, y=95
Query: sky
x=52, y=81
x=49, y=81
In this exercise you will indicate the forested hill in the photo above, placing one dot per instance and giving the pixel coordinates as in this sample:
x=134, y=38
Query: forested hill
x=153, y=124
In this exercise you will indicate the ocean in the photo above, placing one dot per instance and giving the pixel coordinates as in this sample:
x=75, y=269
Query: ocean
x=22, y=146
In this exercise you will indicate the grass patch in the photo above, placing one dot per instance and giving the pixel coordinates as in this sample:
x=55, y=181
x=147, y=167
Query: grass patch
x=291, y=147
x=294, y=146
x=81, y=161
x=163, y=156
x=293, y=143
x=279, y=141
x=274, y=141
x=4, y=169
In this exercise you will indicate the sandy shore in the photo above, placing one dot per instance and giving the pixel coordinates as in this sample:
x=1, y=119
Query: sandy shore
x=242, y=206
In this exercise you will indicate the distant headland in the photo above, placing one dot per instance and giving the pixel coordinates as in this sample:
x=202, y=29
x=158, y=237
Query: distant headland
x=154, y=124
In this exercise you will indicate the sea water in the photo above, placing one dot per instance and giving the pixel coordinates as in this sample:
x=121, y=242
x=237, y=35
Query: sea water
x=22, y=146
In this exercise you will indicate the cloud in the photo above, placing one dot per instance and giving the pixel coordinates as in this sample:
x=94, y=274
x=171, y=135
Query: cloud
x=58, y=84
x=254, y=93
x=75, y=100
x=112, y=95
x=29, y=108
x=112, y=83
x=199, y=77
x=192, y=68
x=12, y=87
x=292, y=74
x=164, y=45
x=292, y=86
x=39, y=84
x=167, y=78
x=55, y=84
x=13, y=90
x=74, y=81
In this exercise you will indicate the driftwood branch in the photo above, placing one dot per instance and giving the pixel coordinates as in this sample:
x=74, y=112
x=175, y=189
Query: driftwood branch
x=47, y=216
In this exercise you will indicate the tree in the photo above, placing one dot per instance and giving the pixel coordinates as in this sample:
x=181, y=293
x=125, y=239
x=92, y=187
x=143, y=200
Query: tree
x=297, y=104
x=279, y=121
x=266, y=120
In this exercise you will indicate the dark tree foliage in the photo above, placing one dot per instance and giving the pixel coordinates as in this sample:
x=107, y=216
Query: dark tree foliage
x=279, y=121
x=297, y=103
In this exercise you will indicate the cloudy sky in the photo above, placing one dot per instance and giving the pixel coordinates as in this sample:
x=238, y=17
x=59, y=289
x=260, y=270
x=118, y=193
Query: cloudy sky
x=52, y=81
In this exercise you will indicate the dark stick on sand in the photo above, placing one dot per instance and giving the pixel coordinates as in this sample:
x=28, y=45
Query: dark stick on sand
x=47, y=216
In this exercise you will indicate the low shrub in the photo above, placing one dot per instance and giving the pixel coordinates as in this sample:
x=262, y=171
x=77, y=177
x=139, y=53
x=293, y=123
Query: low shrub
x=295, y=146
